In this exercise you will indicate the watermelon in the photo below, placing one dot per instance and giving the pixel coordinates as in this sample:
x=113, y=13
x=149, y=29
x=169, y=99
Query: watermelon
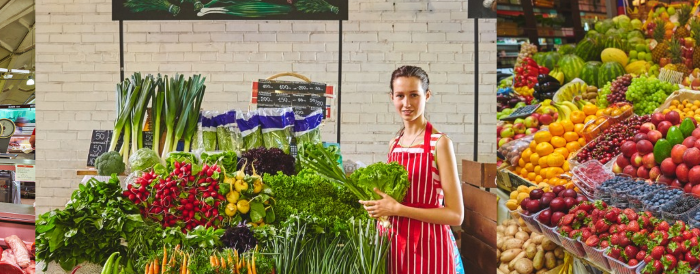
x=604, y=25
x=566, y=49
x=538, y=57
x=635, y=34
x=595, y=36
x=588, y=49
x=609, y=71
x=571, y=65
x=589, y=73
x=550, y=60
x=614, y=42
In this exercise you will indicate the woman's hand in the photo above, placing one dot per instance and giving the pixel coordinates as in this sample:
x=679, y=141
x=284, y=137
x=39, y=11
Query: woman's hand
x=387, y=206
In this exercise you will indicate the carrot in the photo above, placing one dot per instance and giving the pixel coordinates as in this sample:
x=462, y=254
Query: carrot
x=183, y=270
x=248, y=267
x=253, y=262
x=223, y=262
x=156, y=266
x=165, y=259
x=211, y=261
x=148, y=267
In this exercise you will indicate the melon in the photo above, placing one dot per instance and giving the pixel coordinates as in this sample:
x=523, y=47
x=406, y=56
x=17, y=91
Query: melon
x=638, y=67
x=550, y=60
x=608, y=71
x=588, y=49
x=571, y=66
x=589, y=73
x=614, y=55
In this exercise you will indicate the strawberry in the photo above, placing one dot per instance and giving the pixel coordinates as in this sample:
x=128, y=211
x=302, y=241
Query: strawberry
x=663, y=226
x=580, y=214
x=592, y=241
x=574, y=234
x=566, y=220
x=633, y=226
x=693, y=242
x=674, y=249
x=615, y=252
x=695, y=231
x=621, y=227
x=657, y=252
x=687, y=235
x=633, y=262
x=631, y=215
x=631, y=251
x=604, y=244
x=641, y=255
x=644, y=221
x=585, y=234
x=690, y=258
x=602, y=226
x=624, y=240
x=647, y=258
x=615, y=239
x=669, y=261
x=612, y=217
x=586, y=206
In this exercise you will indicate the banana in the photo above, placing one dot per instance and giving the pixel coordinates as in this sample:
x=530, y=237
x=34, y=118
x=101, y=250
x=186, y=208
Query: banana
x=564, y=112
x=570, y=105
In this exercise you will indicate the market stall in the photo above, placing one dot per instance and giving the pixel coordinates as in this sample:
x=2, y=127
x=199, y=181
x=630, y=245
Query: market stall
x=597, y=142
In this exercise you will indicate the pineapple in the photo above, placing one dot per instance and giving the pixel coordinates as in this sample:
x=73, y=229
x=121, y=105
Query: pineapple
x=695, y=32
x=661, y=47
x=683, y=17
x=675, y=52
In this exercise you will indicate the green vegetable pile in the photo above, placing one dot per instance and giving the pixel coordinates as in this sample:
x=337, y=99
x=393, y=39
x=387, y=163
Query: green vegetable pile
x=143, y=159
x=109, y=163
x=90, y=228
x=227, y=159
x=311, y=196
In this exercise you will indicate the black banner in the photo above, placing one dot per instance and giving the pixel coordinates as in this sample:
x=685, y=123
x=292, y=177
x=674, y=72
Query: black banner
x=481, y=9
x=268, y=85
x=99, y=143
x=303, y=104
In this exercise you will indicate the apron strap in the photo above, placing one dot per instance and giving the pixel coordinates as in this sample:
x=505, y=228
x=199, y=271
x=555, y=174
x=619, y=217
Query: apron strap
x=426, y=138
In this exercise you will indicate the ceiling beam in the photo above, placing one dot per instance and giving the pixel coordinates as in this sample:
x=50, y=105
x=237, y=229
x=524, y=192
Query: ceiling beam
x=25, y=23
x=9, y=3
x=6, y=46
x=12, y=19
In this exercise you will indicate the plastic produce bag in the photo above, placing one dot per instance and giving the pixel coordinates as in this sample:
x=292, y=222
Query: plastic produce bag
x=249, y=125
x=197, y=139
x=307, y=129
x=513, y=149
x=227, y=134
x=209, y=131
x=16, y=192
x=277, y=125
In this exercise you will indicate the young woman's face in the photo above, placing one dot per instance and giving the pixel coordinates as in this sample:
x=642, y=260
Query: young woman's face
x=409, y=97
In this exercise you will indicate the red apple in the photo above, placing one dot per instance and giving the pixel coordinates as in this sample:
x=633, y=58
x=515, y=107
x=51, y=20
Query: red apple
x=636, y=160
x=676, y=184
x=622, y=162
x=518, y=136
x=504, y=141
x=664, y=126
x=668, y=168
x=695, y=190
x=531, y=130
x=654, y=136
x=687, y=188
x=642, y=172
x=682, y=173
x=691, y=157
x=677, y=153
x=531, y=122
x=628, y=148
x=663, y=179
x=519, y=128
x=640, y=136
x=654, y=173
x=646, y=127
x=630, y=170
x=696, y=133
x=689, y=141
x=674, y=117
x=546, y=119
x=656, y=118
x=616, y=168
x=648, y=161
x=645, y=147
x=694, y=175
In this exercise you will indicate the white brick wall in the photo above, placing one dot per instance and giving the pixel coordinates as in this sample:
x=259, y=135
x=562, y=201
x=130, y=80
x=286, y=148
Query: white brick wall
x=78, y=67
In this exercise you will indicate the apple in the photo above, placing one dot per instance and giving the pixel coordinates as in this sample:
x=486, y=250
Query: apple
x=642, y=172
x=674, y=117
x=546, y=119
x=518, y=121
x=677, y=153
x=696, y=133
x=536, y=116
x=646, y=127
x=645, y=147
x=519, y=128
x=654, y=173
x=531, y=122
x=656, y=118
x=691, y=157
x=518, y=136
x=682, y=173
x=638, y=137
x=622, y=161
x=695, y=190
x=530, y=131
x=654, y=136
x=668, y=168
x=504, y=141
x=628, y=148
x=616, y=168
x=630, y=170
x=676, y=184
x=689, y=141
x=663, y=179
x=695, y=84
x=687, y=188
x=507, y=133
x=664, y=126
x=694, y=175
x=648, y=161
x=498, y=130
x=636, y=160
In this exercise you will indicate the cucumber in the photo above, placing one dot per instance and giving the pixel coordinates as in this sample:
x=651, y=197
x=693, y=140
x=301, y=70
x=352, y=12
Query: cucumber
x=107, y=269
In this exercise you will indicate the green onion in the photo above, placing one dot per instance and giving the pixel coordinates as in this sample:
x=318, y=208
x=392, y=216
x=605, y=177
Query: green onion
x=249, y=9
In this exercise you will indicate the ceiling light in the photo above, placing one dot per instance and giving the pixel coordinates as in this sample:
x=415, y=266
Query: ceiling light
x=30, y=81
x=3, y=70
x=7, y=76
x=22, y=71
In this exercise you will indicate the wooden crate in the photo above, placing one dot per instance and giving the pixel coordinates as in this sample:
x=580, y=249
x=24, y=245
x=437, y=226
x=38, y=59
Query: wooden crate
x=479, y=174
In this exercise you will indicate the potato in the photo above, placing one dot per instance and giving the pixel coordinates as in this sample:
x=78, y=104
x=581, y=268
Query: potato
x=509, y=255
x=500, y=229
x=536, y=238
x=530, y=251
x=501, y=234
x=548, y=245
x=498, y=254
x=521, y=255
x=522, y=235
x=539, y=247
x=559, y=252
x=504, y=267
x=511, y=230
x=542, y=271
x=538, y=261
x=500, y=242
x=512, y=244
x=523, y=266
x=527, y=243
x=525, y=229
x=549, y=260
x=498, y=271
x=510, y=222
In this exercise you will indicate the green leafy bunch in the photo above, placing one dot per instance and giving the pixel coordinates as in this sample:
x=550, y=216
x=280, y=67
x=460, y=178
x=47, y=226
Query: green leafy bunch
x=391, y=179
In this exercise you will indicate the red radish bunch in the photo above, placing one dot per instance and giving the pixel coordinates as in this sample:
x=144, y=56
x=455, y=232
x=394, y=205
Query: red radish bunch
x=181, y=198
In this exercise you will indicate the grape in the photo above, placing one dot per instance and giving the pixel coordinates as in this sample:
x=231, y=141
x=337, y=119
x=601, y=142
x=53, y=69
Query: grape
x=648, y=93
x=619, y=89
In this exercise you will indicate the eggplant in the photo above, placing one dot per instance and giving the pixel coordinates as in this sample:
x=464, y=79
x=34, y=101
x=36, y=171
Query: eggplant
x=551, y=87
x=546, y=78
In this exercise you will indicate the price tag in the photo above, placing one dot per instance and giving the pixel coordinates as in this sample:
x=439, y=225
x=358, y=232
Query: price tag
x=25, y=173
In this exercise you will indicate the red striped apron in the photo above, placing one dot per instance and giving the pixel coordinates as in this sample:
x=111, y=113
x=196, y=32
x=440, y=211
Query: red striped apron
x=416, y=246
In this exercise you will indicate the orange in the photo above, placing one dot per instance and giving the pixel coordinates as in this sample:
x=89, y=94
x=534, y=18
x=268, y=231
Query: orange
x=578, y=128
x=555, y=160
x=589, y=118
x=544, y=149
x=542, y=136
x=563, y=151
x=521, y=162
x=537, y=169
x=666, y=111
x=558, y=141
x=523, y=172
x=554, y=172
x=538, y=179
x=590, y=109
x=696, y=103
x=571, y=136
x=529, y=167
x=565, y=166
x=675, y=102
x=526, y=155
x=582, y=141
x=685, y=102
x=568, y=125
x=531, y=176
x=577, y=116
x=573, y=146
x=534, y=158
x=533, y=145
x=517, y=170
x=556, y=129
x=600, y=112
x=543, y=163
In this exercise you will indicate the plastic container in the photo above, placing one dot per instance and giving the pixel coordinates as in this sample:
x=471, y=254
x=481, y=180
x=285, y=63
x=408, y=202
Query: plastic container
x=574, y=246
x=623, y=115
x=596, y=256
x=592, y=174
x=639, y=269
x=531, y=221
x=683, y=216
x=591, y=130
x=621, y=198
x=550, y=233
x=635, y=201
x=620, y=267
x=656, y=210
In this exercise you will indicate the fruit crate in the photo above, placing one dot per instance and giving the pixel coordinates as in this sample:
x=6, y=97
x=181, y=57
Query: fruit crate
x=531, y=221
x=596, y=256
x=620, y=267
x=635, y=201
x=516, y=180
x=550, y=233
x=639, y=269
x=591, y=130
x=623, y=115
x=574, y=246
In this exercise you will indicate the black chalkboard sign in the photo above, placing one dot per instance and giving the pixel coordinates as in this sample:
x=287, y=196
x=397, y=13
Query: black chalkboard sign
x=99, y=143
x=303, y=104
x=304, y=87
x=476, y=9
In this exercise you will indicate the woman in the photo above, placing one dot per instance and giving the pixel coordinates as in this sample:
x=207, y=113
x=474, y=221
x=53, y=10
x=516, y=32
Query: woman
x=422, y=241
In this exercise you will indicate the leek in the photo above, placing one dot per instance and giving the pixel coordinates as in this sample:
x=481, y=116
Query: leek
x=173, y=104
x=248, y=9
x=157, y=110
x=197, y=94
x=124, y=105
x=142, y=91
